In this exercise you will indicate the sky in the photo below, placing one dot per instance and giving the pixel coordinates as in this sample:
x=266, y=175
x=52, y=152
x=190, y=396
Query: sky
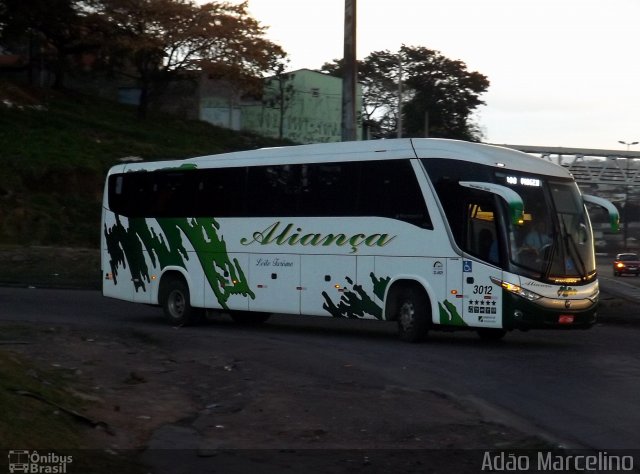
x=562, y=72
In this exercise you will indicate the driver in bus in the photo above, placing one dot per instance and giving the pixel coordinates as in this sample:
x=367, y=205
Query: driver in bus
x=538, y=237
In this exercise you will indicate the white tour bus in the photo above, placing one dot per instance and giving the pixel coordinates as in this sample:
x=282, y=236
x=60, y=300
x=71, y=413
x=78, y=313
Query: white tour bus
x=431, y=233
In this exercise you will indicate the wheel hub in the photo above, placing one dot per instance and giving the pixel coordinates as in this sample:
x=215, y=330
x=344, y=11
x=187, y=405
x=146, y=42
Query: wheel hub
x=407, y=315
x=176, y=304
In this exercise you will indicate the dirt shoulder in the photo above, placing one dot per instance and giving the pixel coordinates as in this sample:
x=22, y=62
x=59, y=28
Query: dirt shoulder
x=146, y=398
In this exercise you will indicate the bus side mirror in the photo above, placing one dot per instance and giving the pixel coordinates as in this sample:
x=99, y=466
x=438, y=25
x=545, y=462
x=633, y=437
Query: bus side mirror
x=512, y=198
x=614, y=215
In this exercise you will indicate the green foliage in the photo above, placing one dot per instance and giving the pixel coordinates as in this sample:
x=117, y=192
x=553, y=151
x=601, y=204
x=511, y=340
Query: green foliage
x=432, y=84
x=156, y=41
x=52, y=30
x=56, y=150
x=279, y=94
x=445, y=90
x=152, y=42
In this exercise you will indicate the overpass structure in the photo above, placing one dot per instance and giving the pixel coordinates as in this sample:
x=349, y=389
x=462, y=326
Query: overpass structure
x=612, y=170
x=611, y=174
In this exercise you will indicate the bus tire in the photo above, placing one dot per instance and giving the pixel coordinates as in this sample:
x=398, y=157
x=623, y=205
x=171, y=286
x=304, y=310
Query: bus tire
x=175, y=300
x=249, y=318
x=412, y=313
x=491, y=334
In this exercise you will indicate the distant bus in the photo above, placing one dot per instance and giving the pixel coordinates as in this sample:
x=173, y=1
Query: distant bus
x=431, y=233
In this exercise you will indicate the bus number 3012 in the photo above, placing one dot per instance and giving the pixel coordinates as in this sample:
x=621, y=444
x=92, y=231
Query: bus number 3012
x=482, y=289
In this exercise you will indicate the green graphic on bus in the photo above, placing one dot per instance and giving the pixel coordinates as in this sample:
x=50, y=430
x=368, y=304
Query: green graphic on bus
x=127, y=246
x=449, y=314
x=356, y=303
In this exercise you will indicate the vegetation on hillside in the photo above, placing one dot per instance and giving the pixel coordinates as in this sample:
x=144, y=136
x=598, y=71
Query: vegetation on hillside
x=55, y=149
x=153, y=42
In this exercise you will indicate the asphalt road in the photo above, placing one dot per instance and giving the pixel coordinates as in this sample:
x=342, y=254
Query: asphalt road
x=579, y=387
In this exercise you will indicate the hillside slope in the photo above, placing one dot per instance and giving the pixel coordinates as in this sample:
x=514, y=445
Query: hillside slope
x=56, y=148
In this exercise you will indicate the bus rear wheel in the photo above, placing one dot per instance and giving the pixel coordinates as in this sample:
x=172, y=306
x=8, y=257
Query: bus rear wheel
x=412, y=313
x=175, y=300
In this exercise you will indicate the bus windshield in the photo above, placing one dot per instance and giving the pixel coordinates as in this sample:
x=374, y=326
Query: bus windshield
x=554, y=241
x=555, y=238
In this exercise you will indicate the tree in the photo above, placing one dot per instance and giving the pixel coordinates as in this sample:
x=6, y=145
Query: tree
x=432, y=84
x=52, y=30
x=445, y=90
x=379, y=91
x=279, y=93
x=158, y=40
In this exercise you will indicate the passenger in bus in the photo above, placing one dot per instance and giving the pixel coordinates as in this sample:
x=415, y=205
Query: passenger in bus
x=488, y=246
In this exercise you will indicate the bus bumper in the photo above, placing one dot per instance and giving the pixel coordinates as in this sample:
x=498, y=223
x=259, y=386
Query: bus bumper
x=520, y=313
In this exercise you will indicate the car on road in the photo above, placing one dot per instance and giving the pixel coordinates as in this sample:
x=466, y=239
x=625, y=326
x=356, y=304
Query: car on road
x=626, y=263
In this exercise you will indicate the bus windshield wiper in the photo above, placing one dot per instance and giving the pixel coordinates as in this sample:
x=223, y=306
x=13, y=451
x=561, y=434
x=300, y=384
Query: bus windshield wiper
x=576, y=251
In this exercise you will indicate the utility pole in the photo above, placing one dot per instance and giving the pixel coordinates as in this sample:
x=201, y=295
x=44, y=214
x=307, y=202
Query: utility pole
x=399, y=112
x=350, y=73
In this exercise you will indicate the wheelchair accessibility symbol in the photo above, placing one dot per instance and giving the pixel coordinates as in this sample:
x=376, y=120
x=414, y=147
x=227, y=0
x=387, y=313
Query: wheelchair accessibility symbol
x=466, y=266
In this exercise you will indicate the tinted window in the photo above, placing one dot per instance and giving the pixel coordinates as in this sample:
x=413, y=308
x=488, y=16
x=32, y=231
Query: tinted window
x=171, y=194
x=221, y=192
x=155, y=193
x=445, y=175
x=329, y=189
x=481, y=234
x=375, y=188
x=390, y=189
x=273, y=190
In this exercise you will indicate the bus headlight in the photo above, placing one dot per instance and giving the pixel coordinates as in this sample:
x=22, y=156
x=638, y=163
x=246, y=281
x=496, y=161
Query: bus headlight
x=517, y=289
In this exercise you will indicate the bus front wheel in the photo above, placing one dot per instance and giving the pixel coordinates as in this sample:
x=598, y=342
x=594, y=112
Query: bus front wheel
x=176, y=303
x=412, y=313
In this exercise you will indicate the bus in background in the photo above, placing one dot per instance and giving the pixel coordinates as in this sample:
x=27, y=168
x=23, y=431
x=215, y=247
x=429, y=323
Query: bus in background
x=431, y=233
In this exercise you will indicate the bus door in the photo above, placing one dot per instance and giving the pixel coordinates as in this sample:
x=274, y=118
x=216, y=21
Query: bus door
x=482, y=301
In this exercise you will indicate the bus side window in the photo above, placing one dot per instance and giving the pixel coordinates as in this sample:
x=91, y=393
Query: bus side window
x=116, y=198
x=172, y=194
x=272, y=191
x=129, y=193
x=390, y=189
x=221, y=192
x=329, y=189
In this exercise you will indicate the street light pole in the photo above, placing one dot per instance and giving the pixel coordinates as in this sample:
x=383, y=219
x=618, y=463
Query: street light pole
x=625, y=234
x=628, y=144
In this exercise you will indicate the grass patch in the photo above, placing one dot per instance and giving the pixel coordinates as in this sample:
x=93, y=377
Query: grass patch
x=32, y=419
x=27, y=422
x=55, y=150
